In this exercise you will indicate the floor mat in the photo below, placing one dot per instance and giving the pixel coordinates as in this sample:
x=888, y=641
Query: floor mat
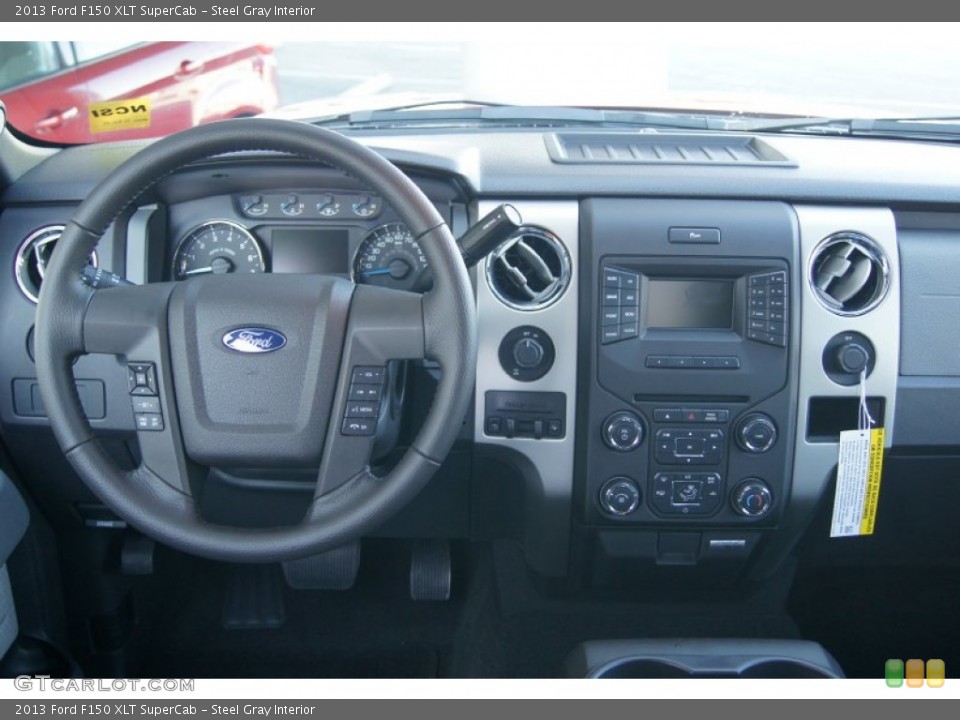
x=373, y=631
x=865, y=616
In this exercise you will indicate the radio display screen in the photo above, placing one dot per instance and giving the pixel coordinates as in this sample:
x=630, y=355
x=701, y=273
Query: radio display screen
x=688, y=304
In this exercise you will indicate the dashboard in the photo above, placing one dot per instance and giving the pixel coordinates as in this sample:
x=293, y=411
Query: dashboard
x=668, y=351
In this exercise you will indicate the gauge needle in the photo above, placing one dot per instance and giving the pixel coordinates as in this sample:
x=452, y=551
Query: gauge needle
x=199, y=271
x=381, y=271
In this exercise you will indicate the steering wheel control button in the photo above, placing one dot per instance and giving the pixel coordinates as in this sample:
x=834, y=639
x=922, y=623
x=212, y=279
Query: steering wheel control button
x=623, y=431
x=756, y=433
x=142, y=378
x=362, y=410
x=620, y=496
x=372, y=375
x=619, y=305
x=358, y=426
x=365, y=393
x=752, y=498
x=363, y=401
x=526, y=353
x=146, y=404
x=525, y=415
x=150, y=422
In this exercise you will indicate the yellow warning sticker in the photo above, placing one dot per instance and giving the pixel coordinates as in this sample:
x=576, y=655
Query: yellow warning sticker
x=874, y=470
x=119, y=115
x=858, y=483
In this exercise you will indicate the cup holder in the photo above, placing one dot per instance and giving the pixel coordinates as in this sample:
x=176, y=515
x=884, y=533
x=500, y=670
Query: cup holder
x=702, y=659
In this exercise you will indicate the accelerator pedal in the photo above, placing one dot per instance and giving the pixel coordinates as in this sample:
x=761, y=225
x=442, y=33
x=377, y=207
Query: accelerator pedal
x=430, y=570
x=332, y=570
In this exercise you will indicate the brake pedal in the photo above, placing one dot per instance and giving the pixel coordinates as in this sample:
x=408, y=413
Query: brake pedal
x=431, y=574
x=332, y=570
x=254, y=599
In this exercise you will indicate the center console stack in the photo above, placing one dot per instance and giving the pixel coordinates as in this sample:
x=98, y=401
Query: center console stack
x=689, y=311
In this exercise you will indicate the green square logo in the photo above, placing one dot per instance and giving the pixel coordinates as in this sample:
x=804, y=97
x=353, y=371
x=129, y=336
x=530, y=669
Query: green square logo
x=893, y=672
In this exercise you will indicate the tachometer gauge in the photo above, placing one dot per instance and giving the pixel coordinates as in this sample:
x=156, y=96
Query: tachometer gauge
x=216, y=247
x=389, y=256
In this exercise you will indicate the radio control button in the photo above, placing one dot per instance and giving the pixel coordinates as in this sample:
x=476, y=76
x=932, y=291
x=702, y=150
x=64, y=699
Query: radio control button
x=611, y=316
x=623, y=432
x=610, y=334
x=611, y=297
x=619, y=496
x=629, y=330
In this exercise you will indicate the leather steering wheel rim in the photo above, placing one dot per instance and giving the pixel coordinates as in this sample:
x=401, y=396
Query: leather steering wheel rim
x=166, y=512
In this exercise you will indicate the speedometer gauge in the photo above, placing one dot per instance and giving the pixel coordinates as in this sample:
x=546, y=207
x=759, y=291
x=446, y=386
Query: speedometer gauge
x=389, y=256
x=217, y=247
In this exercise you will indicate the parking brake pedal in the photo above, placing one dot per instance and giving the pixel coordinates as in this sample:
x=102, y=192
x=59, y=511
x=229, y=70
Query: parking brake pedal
x=430, y=570
x=332, y=570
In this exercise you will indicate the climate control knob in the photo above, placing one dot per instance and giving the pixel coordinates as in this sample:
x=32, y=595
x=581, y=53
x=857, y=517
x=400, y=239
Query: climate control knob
x=623, y=431
x=756, y=433
x=752, y=498
x=620, y=496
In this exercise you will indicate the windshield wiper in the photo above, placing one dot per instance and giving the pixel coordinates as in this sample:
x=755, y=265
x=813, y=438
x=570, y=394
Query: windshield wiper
x=934, y=128
x=486, y=114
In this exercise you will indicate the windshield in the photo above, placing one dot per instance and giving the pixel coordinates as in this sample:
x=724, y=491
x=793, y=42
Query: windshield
x=84, y=91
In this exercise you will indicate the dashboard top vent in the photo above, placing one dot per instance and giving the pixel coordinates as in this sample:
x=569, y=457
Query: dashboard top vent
x=663, y=149
x=33, y=256
x=849, y=273
x=530, y=270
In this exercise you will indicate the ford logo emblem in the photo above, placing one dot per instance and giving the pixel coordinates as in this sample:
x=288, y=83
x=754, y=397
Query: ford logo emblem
x=253, y=340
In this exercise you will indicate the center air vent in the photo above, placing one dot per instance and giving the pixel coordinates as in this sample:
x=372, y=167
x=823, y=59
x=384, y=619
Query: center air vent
x=849, y=273
x=34, y=255
x=530, y=270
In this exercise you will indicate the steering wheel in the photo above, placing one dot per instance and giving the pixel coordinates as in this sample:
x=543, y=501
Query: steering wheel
x=274, y=400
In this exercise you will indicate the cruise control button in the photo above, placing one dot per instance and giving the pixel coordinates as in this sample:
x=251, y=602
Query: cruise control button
x=149, y=422
x=146, y=404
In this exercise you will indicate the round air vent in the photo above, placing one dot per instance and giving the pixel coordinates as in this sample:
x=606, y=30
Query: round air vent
x=849, y=273
x=529, y=270
x=33, y=256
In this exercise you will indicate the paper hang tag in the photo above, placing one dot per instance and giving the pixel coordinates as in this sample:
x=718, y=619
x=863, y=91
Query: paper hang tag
x=858, y=483
x=858, y=474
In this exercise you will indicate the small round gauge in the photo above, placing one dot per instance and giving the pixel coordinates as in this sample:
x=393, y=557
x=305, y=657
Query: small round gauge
x=389, y=256
x=217, y=247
